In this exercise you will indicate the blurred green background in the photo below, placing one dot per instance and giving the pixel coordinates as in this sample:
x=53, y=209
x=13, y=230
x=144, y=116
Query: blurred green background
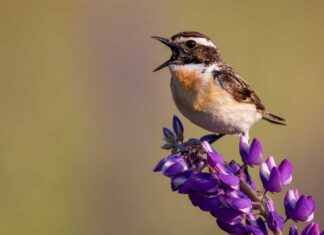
x=81, y=111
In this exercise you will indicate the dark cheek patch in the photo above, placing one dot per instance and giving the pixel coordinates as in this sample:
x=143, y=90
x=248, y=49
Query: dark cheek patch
x=201, y=55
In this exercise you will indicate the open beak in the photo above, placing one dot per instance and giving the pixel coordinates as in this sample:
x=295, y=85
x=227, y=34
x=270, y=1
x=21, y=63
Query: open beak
x=174, y=48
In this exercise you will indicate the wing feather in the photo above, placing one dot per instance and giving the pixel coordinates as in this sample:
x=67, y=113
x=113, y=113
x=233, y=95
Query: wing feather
x=241, y=91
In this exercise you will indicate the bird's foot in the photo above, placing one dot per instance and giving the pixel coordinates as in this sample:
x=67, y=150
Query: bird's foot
x=212, y=138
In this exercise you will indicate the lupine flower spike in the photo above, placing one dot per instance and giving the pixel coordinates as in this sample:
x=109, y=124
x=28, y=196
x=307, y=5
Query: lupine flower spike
x=299, y=208
x=225, y=188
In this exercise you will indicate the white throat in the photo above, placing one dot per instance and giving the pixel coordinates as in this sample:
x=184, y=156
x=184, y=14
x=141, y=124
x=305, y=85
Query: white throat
x=198, y=68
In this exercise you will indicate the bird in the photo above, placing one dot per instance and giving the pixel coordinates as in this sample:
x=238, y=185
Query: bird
x=207, y=91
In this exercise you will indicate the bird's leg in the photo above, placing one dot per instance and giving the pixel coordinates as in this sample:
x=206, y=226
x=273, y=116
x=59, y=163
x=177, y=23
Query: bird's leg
x=246, y=136
x=214, y=139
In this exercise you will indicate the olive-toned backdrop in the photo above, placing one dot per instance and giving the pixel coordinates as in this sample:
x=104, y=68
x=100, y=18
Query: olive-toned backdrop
x=81, y=111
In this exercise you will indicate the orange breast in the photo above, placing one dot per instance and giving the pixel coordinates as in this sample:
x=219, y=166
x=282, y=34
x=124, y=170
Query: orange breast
x=189, y=80
x=197, y=93
x=206, y=97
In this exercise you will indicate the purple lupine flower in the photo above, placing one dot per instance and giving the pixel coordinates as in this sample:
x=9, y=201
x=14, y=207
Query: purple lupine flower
x=299, y=208
x=204, y=182
x=253, y=230
x=227, y=178
x=274, y=178
x=236, y=170
x=251, y=155
x=169, y=138
x=213, y=156
x=178, y=180
x=293, y=230
x=233, y=167
x=168, y=134
x=228, y=215
x=312, y=229
x=242, y=204
x=171, y=165
x=231, y=228
x=211, y=203
x=258, y=225
x=253, y=226
x=197, y=198
x=229, y=202
x=177, y=128
x=230, y=208
x=275, y=221
x=226, y=207
x=216, y=161
x=226, y=202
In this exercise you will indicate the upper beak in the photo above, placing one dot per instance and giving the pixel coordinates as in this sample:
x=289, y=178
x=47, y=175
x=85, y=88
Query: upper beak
x=175, y=52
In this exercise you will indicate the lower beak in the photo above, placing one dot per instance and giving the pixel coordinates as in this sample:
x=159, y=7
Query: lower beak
x=175, y=52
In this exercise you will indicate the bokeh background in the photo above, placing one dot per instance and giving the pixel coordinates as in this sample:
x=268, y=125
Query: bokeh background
x=81, y=111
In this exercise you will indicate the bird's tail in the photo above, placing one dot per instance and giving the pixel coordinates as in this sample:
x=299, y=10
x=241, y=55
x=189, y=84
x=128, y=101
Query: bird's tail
x=273, y=118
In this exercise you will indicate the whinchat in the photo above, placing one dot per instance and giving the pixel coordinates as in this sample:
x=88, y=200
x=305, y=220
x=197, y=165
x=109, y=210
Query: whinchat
x=209, y=92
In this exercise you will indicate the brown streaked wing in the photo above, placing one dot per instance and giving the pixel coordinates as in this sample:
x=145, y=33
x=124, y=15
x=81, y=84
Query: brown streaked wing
x=241, y=91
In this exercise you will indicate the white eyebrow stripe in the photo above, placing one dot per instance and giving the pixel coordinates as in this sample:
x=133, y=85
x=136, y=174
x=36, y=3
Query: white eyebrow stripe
x=201, y=41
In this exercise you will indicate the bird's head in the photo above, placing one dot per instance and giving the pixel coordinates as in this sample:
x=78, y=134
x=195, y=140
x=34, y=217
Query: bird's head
x=189, y=48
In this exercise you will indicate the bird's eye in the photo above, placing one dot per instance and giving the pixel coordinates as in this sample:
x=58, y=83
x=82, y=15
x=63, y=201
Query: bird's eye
x=191, y=44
